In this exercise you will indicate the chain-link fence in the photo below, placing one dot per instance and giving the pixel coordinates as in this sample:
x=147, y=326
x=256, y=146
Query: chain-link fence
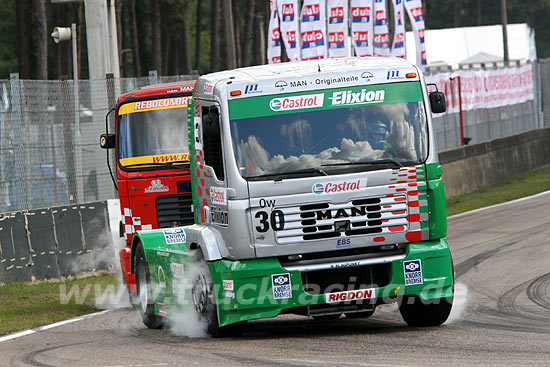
x=483, y=124
x=50, y=154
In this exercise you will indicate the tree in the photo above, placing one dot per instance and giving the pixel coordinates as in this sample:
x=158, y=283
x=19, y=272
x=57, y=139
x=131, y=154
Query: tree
x=156, y=40
x=21, y=11
x=214, y=35
x=40, y=39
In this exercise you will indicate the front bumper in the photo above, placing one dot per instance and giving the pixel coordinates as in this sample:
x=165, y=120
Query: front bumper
x=249, y=289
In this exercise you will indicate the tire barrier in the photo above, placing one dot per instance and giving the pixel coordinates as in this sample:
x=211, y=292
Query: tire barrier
x=55, y=242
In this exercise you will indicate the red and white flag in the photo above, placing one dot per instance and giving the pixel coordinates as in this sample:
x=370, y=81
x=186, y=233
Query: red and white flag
x=274, y=35
x=313, y=24
x=362, y=26
x=288, y=15
x=381, y=32
x=337, y=29
x=416, y=16
x=398, y=45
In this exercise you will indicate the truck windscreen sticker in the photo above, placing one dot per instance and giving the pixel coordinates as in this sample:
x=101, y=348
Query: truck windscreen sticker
x=154, y=104
x=325, y=99
x=161, y=158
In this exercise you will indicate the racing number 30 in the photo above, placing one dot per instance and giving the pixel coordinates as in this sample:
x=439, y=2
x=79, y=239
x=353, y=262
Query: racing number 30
x=277, y=220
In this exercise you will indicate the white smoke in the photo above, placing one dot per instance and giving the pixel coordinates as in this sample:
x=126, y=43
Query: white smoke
x=460, y=303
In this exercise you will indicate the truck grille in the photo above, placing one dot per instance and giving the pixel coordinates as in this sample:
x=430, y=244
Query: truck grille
x=368, y=216
x=174, y=210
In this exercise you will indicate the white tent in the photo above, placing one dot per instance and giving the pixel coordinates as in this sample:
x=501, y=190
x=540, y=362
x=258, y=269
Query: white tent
x=475, y=44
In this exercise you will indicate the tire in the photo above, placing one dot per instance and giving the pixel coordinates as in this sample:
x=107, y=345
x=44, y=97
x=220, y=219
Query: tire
x=359, y=315
x=204, y=301
x=418, y=313
x=145, y=302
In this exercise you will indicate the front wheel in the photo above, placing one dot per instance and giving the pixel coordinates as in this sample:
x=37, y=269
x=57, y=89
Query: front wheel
x=204, y=300
x=434, y=312
x=145, y=301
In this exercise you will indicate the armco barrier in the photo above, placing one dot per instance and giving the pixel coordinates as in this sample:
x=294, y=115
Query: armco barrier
x=474, y=166
x=54, y=242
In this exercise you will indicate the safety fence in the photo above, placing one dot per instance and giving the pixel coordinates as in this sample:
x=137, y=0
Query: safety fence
x=55, y=242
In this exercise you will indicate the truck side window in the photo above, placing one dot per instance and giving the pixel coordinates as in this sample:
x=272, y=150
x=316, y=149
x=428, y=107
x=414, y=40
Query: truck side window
x=212, y=143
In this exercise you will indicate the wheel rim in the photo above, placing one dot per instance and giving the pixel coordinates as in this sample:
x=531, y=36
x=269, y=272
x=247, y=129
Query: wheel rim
x=200, y=293
x=143, y=296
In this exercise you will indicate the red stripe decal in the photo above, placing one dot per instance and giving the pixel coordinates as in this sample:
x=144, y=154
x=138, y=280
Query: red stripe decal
x=413, y=236
x=414, y=204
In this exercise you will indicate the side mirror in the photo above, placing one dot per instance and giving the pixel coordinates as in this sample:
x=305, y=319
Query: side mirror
x=437, y=101
x=107, y=141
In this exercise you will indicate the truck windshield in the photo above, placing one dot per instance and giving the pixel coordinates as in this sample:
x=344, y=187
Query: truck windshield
x=282, y=143
x=153, y=131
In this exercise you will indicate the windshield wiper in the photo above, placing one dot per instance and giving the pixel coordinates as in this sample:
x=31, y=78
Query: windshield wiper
x=173, y=164
x=281, y=175
x=378, y=162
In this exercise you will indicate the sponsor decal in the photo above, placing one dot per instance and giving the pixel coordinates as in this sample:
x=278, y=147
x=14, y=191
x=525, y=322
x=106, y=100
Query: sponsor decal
x=339, y=80
x=399, y=41
x=312, y=39
x=282, y=287
x=174, y=236
x=218, y=216
x=394, y=74
x=350, y=264
x=421, y=35
x=156, y=186
x=413, y=272
x=361, y=38
x=251, y=88
x=380, y=17
x=276, y=37
x=350, y=295
x=362, y=97
x=162, y=253
x=338, y=186
x=343, y=243
x=336, y=15
x=218, y=195
x=360, y=14
x=276, y=59
x=155, y=159
x=336, y=40
x=298, y=83
x=161, y=277
x=381, y=40
x=162, y=309
x=367, y=75
x=208, y=88
x=399, y=16
x=311, y=13
x=287, y=13
x=423, y=59
x=229, y=295
x=186, y=88
x=281, y=84
x=228, y=285
x=165, y=102
x=177, y=270
x=296, y=102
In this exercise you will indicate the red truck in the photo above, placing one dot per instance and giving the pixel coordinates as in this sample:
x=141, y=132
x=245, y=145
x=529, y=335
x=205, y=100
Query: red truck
x=152, y=162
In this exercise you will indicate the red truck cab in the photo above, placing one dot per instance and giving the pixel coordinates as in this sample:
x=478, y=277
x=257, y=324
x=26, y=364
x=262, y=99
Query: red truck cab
x=152, y=162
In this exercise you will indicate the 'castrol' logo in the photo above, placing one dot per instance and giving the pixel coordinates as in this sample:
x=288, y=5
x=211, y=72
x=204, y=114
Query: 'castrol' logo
x=337, y=186
x=296, y=102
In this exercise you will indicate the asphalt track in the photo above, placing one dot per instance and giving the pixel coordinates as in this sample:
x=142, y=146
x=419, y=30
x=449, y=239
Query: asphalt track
x=501, y=317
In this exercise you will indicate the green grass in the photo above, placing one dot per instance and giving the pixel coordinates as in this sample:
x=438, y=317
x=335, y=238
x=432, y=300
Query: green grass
x=525, y=185
x=28, y=305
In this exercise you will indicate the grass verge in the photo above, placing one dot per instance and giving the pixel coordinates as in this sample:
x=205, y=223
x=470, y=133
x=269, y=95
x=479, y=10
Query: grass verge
x=25, y=305
x=525, y=185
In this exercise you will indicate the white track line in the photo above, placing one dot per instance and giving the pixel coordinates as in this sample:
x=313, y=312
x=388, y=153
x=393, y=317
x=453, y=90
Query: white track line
x=57, y=324
x=497, y=205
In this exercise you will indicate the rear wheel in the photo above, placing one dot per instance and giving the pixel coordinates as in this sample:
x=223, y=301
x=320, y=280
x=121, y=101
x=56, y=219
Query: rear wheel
x=145, y=302
x=204, y=300
x=416, y=312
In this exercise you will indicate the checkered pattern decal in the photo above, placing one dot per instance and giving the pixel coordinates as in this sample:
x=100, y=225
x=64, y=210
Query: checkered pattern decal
x=131, y=224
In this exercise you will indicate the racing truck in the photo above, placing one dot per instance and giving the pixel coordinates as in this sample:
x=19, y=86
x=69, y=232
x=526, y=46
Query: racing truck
x=316, y=191
x=152, y=162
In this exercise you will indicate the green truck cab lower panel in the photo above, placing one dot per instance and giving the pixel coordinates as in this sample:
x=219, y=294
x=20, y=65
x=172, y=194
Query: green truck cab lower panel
x=248, y=289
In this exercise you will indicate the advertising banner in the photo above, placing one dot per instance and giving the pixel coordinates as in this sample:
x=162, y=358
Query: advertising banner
x=337, y=29
x=274, y=35
x=486, y=88
x=288, y=14
x=381, y=32
x=313, y=30
x=362, y=27
x=398, y=45
x=414, y=10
